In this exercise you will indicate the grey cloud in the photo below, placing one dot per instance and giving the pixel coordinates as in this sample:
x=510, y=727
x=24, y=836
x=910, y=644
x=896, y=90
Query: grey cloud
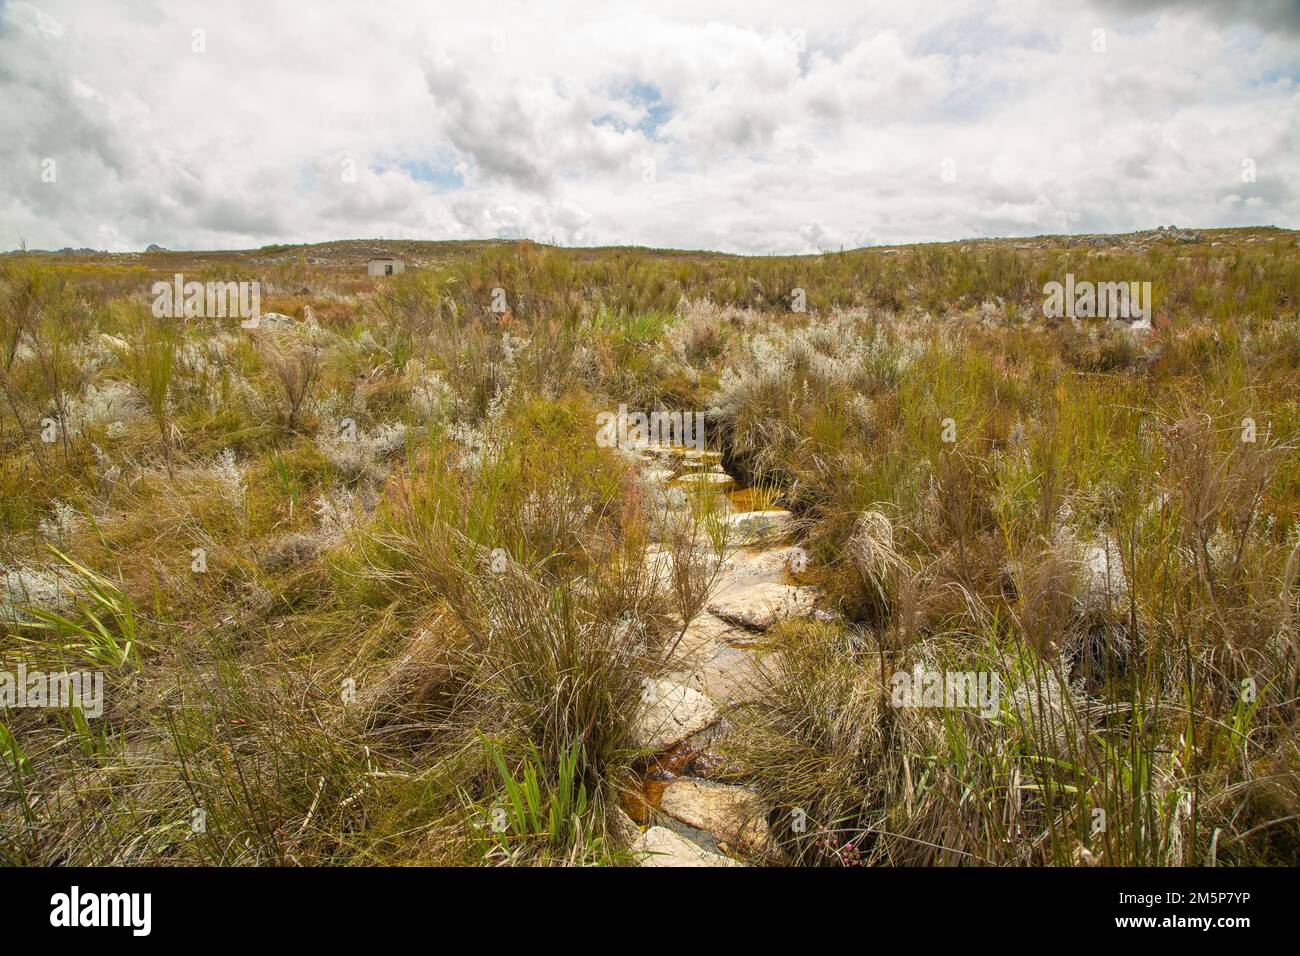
x=759, y=147
x=1268, y=14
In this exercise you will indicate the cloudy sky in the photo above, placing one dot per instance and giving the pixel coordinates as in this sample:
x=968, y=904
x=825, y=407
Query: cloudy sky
x=743, y=126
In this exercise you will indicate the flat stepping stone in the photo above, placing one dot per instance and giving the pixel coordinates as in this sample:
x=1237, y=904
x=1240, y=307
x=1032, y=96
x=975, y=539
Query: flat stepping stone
x=748, y=567
x=734, y=815
x=751, y=526
x=712, y=479
x=660, y=846
x=663, y=452
x=733, y=675
x=697, y=464
x=708, y=457
x=702, y=639
x=759, y=606
x=657, y=476
x=669, y=713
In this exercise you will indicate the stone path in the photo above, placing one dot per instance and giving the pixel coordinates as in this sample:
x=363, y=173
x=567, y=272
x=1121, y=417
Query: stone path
x=686, y=819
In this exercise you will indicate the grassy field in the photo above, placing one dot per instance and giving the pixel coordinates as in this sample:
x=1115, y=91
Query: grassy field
x=360, y=580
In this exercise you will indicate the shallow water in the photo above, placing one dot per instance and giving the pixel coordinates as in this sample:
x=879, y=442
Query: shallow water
x=751, y=499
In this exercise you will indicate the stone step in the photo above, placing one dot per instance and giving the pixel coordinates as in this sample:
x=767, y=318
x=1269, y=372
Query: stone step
x=707, y=457
x=735, y=816
x=751, y=526
x=732, y=676
x=754, y=566
x=701, y=640
x=660, y=846
x=669, y=713
x=712, y=479
x=759, y=606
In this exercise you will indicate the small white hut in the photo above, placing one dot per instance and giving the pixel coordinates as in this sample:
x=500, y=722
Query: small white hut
x=386, y=266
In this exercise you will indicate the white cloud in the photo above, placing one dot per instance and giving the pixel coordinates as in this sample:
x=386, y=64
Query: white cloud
x=748, y=128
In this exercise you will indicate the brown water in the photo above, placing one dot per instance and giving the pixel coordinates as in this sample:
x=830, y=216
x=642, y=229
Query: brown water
x=751, y=499
x=683, y=760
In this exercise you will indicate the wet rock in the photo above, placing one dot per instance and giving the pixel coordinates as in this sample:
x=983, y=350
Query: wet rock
x=659, y=846
x=662, y=453
x=708, y=458
x=697, y=464
x=759, y=606
x=748, y=567
x=733, y=815
x=669, y=713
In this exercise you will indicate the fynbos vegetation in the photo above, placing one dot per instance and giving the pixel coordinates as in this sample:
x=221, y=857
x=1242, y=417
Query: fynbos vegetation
x=916, y=572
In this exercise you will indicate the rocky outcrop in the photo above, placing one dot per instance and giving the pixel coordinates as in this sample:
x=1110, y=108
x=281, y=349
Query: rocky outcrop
x=712, y=668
